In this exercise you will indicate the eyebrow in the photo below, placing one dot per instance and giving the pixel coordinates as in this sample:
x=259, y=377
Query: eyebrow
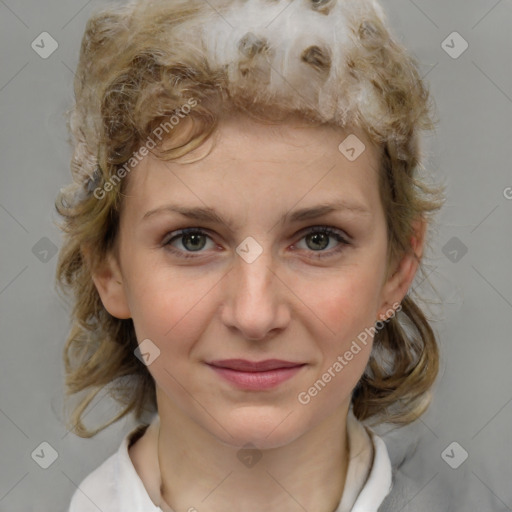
x=207, y=214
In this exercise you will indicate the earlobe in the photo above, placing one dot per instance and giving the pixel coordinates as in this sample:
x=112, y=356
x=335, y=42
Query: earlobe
x=108, y=281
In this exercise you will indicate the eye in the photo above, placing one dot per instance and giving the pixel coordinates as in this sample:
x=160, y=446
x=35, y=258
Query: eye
x=317, y=239
x=193, y=240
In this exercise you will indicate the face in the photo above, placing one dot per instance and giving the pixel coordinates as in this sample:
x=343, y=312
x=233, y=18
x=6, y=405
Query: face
x=262, y=283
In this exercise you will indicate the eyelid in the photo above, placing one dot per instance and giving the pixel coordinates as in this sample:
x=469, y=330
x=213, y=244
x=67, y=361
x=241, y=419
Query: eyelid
x=324, y=227
x=306, y=230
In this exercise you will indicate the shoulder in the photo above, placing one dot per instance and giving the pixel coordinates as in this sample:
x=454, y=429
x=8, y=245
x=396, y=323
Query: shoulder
x=421, y=480
x=100, y=490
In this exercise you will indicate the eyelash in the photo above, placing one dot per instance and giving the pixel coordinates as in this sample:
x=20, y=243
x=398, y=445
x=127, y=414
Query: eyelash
x=325, y=230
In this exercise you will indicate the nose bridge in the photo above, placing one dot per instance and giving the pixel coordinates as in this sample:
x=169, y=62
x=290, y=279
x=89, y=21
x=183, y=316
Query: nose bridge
x=254, y=274
x=255, y=292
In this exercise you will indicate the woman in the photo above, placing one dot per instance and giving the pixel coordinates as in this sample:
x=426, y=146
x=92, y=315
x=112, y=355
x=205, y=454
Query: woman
x=283, y=136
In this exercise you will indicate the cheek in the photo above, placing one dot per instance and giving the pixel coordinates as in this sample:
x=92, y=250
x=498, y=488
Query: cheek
x=344, y=305
x=174, y=319
x=348, y=309
x=166, y=306
x=345, y=313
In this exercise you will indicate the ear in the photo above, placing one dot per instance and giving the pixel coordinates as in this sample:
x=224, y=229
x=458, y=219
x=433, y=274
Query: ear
x=397, y=284
x=108, y=281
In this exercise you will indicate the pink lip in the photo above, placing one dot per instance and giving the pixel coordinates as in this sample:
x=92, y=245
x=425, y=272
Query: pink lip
x=255, y=375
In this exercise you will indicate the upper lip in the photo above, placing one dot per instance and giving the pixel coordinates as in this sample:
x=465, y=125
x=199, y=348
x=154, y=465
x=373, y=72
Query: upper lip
x=253, y=366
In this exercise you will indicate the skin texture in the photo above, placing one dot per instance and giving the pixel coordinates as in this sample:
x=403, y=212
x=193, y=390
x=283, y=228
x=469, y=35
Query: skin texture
x=286, y=304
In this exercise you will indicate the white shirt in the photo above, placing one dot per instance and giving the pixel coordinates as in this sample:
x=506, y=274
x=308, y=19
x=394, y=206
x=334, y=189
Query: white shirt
x=115, y=485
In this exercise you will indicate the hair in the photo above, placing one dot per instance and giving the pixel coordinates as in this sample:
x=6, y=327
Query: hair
x=328, y=62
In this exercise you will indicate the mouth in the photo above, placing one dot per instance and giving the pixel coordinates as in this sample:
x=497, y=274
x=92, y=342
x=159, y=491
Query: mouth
x=254, y=366
x=256, y=375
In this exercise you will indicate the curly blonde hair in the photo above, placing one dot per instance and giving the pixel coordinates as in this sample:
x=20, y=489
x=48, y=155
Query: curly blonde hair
x=328, y=62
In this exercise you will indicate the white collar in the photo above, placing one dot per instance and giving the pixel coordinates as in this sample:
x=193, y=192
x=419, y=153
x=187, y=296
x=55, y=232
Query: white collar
x=369, y=474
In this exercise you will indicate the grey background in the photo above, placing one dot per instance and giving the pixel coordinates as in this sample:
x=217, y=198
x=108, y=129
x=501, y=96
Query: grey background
x=472, y=305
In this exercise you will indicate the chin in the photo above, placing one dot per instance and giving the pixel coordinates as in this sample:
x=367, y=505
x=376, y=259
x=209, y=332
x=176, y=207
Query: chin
x=263, y=430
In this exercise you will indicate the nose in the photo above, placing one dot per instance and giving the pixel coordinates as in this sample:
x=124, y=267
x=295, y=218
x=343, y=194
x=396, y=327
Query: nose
x=256, y=298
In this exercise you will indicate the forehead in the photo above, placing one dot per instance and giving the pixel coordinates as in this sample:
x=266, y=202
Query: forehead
x=261, y=166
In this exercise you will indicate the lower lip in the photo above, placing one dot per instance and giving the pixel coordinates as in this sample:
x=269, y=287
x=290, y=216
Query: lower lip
x=257, y=380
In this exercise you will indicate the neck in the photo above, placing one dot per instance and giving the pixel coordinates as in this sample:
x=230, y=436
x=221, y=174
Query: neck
x=200, y=472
